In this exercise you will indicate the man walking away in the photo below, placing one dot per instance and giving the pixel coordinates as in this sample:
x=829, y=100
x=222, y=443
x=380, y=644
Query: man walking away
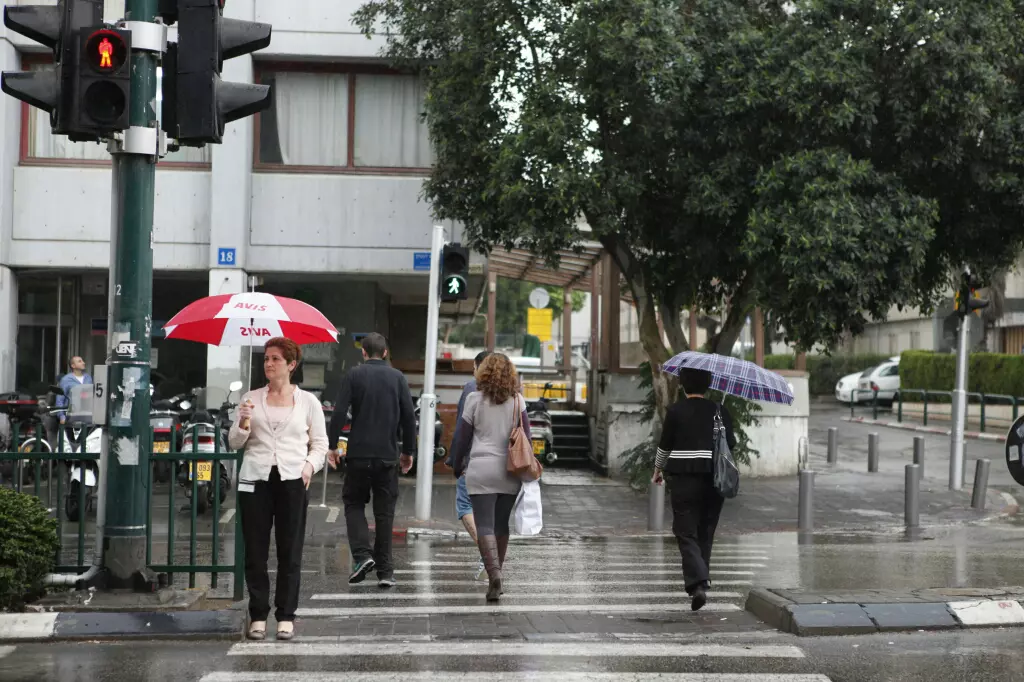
x=76, y=377
x=463, y=505
x=382, y=412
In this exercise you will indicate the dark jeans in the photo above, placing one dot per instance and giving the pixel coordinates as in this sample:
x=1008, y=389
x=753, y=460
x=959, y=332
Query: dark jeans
x=281, y=505
x=696, y=506
x=363, y=478
x=491, y=513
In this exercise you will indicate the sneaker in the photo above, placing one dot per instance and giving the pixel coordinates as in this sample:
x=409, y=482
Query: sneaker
x=386, y=581
x=362, y=568
x=481, y=571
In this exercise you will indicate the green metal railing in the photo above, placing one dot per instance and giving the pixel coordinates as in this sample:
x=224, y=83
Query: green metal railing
x=32, y=452
x=982, y=399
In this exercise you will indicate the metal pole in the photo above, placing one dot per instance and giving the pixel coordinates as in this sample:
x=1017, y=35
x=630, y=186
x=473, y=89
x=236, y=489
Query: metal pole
x=806, y=503
x=956, y=445
x=980, y=484
x=873, y=453
x=428, y=401
x=833, y=445
x=60, y=312
x=323, y=494
x=911, y=501
x=656, y=508
x=919, y=455
x=130, y=317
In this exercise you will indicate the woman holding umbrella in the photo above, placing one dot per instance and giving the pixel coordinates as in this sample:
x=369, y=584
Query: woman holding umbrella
x=685, y=456
x=285, y=438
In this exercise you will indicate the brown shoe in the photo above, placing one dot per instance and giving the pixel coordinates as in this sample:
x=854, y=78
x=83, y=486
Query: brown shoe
x=488, y=545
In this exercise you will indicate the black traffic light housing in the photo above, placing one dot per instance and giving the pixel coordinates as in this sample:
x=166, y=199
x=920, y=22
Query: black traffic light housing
x=196, y=102
x=55, y=91
x=965, y=301
x=454, y=272
x=102, y=83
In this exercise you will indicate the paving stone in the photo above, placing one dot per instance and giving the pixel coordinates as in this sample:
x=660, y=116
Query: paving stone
x=890, y=617
x=800, y=597
x=984, y=612
x=830, y=619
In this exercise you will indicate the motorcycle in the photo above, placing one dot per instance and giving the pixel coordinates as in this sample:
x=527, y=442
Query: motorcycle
x=541, y=431
x=82, y=472
x=165, y=419
x=206, y=433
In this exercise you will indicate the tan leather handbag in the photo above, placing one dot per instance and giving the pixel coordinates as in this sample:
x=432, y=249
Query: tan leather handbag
x=521, y=461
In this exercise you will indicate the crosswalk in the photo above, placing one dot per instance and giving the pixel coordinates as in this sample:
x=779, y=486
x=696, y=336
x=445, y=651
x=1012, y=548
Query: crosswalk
x=569, y=613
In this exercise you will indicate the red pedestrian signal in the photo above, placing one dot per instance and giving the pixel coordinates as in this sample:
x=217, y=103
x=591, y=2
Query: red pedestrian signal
x=106, y=51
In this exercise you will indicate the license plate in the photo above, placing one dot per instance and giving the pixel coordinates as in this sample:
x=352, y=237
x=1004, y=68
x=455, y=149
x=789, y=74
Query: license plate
x=161, y=446
x=538, y=447
x=205, y=470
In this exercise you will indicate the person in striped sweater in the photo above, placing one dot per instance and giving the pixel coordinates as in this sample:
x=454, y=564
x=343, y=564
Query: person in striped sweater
x=684, y=462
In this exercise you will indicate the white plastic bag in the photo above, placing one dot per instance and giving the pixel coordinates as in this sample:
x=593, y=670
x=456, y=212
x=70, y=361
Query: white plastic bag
x=528, y=512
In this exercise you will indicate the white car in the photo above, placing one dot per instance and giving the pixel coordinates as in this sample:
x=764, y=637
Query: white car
x=883, y=379
x=845, y=386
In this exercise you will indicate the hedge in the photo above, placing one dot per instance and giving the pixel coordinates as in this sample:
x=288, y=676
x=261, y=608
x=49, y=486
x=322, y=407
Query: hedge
x=826, y=370
x=28, y=547
x=992, y=373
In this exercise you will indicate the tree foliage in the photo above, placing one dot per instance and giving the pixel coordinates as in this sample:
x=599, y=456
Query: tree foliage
x=824, y=159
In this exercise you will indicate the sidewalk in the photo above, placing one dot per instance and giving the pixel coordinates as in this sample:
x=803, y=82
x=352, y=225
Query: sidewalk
x=845, y=499
x=889, y=421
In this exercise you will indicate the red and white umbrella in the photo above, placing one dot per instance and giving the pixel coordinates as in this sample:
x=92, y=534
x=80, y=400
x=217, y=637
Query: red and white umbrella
x=250, y=319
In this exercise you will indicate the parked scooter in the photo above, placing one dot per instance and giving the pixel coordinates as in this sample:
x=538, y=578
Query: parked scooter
x=82, y=472
x=203, y=434
x=541, y=432
x=165, y=418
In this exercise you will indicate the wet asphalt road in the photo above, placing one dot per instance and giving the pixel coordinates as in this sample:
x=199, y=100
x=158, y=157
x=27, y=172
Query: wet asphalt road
x=582, y=610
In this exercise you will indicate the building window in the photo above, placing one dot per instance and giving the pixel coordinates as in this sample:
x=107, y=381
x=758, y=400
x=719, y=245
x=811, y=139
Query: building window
x=915, y=340
x=40, y=143
x=344, y=120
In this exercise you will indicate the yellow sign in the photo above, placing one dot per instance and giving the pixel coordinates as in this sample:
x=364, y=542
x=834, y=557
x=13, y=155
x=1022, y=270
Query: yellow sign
x=538, y=323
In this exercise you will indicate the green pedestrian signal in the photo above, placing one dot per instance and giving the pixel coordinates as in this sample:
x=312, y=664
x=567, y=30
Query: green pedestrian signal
x=454, y=271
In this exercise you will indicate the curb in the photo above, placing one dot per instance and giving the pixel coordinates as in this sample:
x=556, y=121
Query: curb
x=973, y=435
x=811, y=615
x=227, y=624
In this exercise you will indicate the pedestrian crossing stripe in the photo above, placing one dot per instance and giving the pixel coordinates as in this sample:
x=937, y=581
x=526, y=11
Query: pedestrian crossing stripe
x=549, y=583
x=525, y=676
x=525, y=567
x=474, y=553
x=376, y=611
x=529, y=649
x=623, y=564
x=440, y=596
x=6, y=651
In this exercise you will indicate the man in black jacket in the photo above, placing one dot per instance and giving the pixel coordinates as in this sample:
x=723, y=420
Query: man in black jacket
x=382, y=413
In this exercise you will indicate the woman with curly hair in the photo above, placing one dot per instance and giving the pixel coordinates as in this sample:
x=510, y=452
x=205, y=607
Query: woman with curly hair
x=481, y=452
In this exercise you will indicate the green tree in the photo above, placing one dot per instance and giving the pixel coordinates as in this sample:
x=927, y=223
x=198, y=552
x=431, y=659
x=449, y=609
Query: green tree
x=824, y=159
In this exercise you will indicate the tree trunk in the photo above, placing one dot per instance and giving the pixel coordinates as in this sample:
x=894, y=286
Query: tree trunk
x=674, y=328
x=739, y=307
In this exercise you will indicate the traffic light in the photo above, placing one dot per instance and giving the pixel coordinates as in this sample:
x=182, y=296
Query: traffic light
x=967, y=300
x=103, y=83
x=454, y=268
x=56, y=90
x=196, y=102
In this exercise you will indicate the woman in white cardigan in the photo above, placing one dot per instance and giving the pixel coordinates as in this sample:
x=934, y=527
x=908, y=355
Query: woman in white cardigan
x=284, y=435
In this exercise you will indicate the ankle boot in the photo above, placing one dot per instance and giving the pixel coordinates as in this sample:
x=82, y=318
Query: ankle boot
x=489, y=551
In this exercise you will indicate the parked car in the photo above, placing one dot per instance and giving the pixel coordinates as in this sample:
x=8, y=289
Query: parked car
x=883, y=379
x=845, y=386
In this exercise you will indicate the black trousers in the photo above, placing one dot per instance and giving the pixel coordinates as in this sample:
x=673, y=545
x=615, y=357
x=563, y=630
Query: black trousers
x=696, y=506
x=281, y=505
x=491, y=513
x=366, y=478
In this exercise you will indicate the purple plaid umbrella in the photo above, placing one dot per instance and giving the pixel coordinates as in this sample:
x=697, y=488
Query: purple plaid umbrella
x=734, y=376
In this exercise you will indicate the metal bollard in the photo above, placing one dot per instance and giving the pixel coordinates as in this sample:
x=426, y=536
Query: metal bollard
x=806, y=501
x=873, y=453
x=656, y=508
x=980, y=484
x=911, y=502
x=833, y=445
x=919, y=456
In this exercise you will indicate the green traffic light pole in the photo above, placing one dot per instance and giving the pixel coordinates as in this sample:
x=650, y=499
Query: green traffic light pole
x=130, y=322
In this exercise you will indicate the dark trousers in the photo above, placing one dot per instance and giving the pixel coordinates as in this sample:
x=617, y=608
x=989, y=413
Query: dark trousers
x=365, y=478
x=281, y=505
x=491, y=513
x=696, y=506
